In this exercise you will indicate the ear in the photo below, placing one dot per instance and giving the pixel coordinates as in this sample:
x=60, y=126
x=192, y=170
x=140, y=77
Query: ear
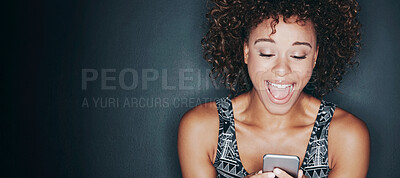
x=246, y=52
x=315, y=57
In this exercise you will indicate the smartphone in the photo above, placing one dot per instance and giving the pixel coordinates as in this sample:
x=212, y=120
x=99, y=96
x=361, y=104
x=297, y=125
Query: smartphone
x=288, y=163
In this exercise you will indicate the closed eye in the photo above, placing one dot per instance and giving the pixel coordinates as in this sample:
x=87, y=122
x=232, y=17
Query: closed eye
x=299, y=57
x=266, y=55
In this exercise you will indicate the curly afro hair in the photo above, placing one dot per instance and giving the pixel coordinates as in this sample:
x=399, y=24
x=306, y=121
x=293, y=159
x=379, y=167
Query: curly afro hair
x=231, y=21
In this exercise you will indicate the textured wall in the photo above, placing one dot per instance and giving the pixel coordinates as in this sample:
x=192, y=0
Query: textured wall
x=138, y=65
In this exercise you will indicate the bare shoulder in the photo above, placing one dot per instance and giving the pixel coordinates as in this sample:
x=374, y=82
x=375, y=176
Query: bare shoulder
x=349, y=145
x=203, y=116
x=347, y=126
x=198, y=131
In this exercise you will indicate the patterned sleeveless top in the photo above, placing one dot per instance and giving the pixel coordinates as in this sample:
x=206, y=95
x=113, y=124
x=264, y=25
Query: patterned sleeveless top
x=227, y=161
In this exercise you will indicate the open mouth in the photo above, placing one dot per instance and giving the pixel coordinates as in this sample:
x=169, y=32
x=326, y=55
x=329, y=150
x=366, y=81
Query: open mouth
x=279, y=92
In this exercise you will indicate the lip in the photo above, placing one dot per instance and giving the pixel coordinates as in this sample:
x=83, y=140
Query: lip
x=280, y=82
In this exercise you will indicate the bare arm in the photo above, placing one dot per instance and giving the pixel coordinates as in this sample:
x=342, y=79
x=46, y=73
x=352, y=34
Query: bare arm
x=349, y=146
x=197, y=141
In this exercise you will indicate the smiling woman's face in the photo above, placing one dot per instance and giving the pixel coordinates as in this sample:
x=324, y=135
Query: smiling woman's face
x=281, y=64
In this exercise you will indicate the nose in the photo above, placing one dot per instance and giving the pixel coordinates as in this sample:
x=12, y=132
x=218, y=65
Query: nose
x=281, y=67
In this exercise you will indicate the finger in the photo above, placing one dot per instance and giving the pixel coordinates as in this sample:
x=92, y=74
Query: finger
x=263, y=175
x=259, y=172
x=300, y=174
x=254, y=174
x=280, y=173
x=268, y=174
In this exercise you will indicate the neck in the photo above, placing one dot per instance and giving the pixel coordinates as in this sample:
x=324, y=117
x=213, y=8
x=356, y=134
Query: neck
x=256, y=113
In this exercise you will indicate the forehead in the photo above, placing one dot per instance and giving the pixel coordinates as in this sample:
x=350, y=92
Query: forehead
x=285, y=31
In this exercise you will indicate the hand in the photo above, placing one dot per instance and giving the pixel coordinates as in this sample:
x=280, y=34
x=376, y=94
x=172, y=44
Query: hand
x=280, y=173
x=260, y=174
x=275, y=173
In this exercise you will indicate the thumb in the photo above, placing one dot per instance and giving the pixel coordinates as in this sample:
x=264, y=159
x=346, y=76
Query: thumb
x=280, y=173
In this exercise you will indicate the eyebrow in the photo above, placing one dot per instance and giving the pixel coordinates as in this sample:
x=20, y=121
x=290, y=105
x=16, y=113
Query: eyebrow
x=272, y=41
x=264, y=40
x=302, y=43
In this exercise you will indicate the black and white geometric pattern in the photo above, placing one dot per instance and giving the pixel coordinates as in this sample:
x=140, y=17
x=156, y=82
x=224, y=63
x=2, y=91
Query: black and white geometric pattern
x=227, y=161
x=315, y=162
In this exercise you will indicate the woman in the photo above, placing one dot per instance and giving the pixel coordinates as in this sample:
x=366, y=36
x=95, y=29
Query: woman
x=270, y=54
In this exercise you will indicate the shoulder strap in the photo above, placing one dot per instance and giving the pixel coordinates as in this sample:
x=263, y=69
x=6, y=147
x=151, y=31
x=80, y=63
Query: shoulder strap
x=224, y=106
x=225, y=111
x=317, y=149
x=324, y=118
x=227, y=161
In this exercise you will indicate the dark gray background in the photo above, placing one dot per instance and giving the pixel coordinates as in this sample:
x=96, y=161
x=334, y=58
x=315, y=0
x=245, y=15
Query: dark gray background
x=49, y=134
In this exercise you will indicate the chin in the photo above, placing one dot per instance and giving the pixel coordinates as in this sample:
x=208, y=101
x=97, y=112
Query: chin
x=278, y=109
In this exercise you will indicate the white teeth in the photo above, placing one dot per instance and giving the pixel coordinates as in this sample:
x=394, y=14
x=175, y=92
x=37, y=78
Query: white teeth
x=280, y=86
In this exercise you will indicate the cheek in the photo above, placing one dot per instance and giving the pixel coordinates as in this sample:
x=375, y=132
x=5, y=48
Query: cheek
x=303, y=73
x=257, y=69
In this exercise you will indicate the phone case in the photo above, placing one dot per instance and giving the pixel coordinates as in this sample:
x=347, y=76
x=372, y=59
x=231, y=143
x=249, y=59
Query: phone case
x=288, y=163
